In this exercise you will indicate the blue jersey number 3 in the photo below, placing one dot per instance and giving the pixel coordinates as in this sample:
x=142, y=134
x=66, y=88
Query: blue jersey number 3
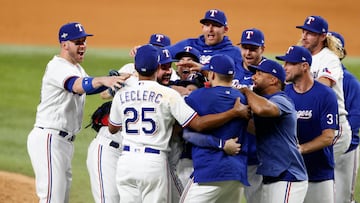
x=146, y=120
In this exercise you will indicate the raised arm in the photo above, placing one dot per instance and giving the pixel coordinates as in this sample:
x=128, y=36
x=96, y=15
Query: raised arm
x=260, y=105
x=91, y=85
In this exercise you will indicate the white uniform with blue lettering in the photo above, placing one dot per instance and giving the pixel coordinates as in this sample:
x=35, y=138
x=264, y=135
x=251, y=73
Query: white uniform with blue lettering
x=147, y=112
x=58, y=119
x=327, y=64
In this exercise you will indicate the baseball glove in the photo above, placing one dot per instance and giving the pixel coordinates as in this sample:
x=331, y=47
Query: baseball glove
x=100, y=117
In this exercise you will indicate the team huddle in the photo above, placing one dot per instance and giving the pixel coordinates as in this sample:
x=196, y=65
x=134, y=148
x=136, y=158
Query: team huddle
x=204, y=120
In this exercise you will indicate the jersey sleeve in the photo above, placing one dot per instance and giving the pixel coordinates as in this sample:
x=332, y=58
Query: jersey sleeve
x=182, y=112
x=58, y=72
x=331, y=69
x=283, y=103
x=115, y=118
x=203, y=140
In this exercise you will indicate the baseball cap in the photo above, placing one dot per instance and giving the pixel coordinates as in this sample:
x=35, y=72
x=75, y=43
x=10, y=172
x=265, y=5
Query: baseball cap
x=165, y=56
x=159, y=40
x=296, y=54
x=271, y=67
x=222, y=64
x=188, y=51
x=339, y=36
x=147, y=59
x=215, y=15
x=253, y=37
x=72, y=31
x=315, y=24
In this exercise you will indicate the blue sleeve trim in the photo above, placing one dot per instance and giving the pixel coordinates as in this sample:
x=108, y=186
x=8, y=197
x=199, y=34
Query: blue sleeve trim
x=69, y=83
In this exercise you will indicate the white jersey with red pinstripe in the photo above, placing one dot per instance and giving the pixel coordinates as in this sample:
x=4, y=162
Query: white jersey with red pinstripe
x=327, y=64
x=147, y=112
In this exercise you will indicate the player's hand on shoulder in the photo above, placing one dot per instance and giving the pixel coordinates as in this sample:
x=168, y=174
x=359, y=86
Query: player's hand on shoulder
x=231, y=146
x=243, y=111
x=132, y=52
x=116, y=82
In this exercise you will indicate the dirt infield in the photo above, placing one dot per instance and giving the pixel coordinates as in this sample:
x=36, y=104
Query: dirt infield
x=126, y=23
x=16, y=188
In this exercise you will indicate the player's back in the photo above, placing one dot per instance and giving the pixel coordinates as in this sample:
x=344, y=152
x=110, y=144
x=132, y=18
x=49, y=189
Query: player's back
x=147, y=111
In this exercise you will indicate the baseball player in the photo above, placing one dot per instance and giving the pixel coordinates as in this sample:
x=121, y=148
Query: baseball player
x=146, y=113
x=317, y=110
x=218, y=177
x=105, y=149
x=274, y=118
x=348, y=163
x=158, y=40
x=59, y=114
x=182, y=154
x=252, y=45
x=326, y=68
x=213, y=40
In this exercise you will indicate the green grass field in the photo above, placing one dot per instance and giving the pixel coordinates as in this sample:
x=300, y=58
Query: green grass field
x=22, y=69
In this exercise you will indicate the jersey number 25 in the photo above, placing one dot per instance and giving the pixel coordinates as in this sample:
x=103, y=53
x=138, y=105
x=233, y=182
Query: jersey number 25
x=133, y=119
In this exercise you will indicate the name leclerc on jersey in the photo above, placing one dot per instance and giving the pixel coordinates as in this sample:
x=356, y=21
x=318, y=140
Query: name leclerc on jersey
x=140, y=95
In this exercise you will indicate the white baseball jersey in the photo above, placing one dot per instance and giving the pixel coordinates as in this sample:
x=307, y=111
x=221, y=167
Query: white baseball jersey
x=146, y=113
x=60, y=109
x=327, y=64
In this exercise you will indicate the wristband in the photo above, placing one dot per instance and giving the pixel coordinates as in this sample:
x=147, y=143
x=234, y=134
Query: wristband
x=87, y=85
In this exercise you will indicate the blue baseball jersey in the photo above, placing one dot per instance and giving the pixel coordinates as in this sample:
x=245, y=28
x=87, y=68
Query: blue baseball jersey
x=277, y=143
x=206, y=52
x=317, y=110
x=243, y=78
x=211, y=164
x=351, y=87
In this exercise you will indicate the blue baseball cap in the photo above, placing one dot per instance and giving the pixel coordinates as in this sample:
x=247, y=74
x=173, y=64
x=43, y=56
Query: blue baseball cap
x=315, y=24
x=72, y=31
x=147, y=59
x=188, y=51
x=222, y=64
x=216, y=16
x=296, y=54
x=339, y=36
x=253, y=37
x=271, y=67
x=165, y=56
x=159, y=40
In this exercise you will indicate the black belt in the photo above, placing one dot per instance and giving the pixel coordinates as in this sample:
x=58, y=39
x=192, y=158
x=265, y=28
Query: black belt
x=63, y=134
x=146, y=150
x=114, y=144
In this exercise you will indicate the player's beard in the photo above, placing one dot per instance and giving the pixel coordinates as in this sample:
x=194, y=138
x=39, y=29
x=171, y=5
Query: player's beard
x=165, y=79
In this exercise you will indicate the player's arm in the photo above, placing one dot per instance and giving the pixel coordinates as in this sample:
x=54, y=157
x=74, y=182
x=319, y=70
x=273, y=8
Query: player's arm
x=211, y=121
x=260, y=105
x=194, y=66
x=325, y=139
x=230, y=146
x=326, y=81
x=113, y=128
x=93, y=85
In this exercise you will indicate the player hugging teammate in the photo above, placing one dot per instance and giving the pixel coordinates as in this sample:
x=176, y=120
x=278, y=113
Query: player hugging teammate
x=272, y=154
